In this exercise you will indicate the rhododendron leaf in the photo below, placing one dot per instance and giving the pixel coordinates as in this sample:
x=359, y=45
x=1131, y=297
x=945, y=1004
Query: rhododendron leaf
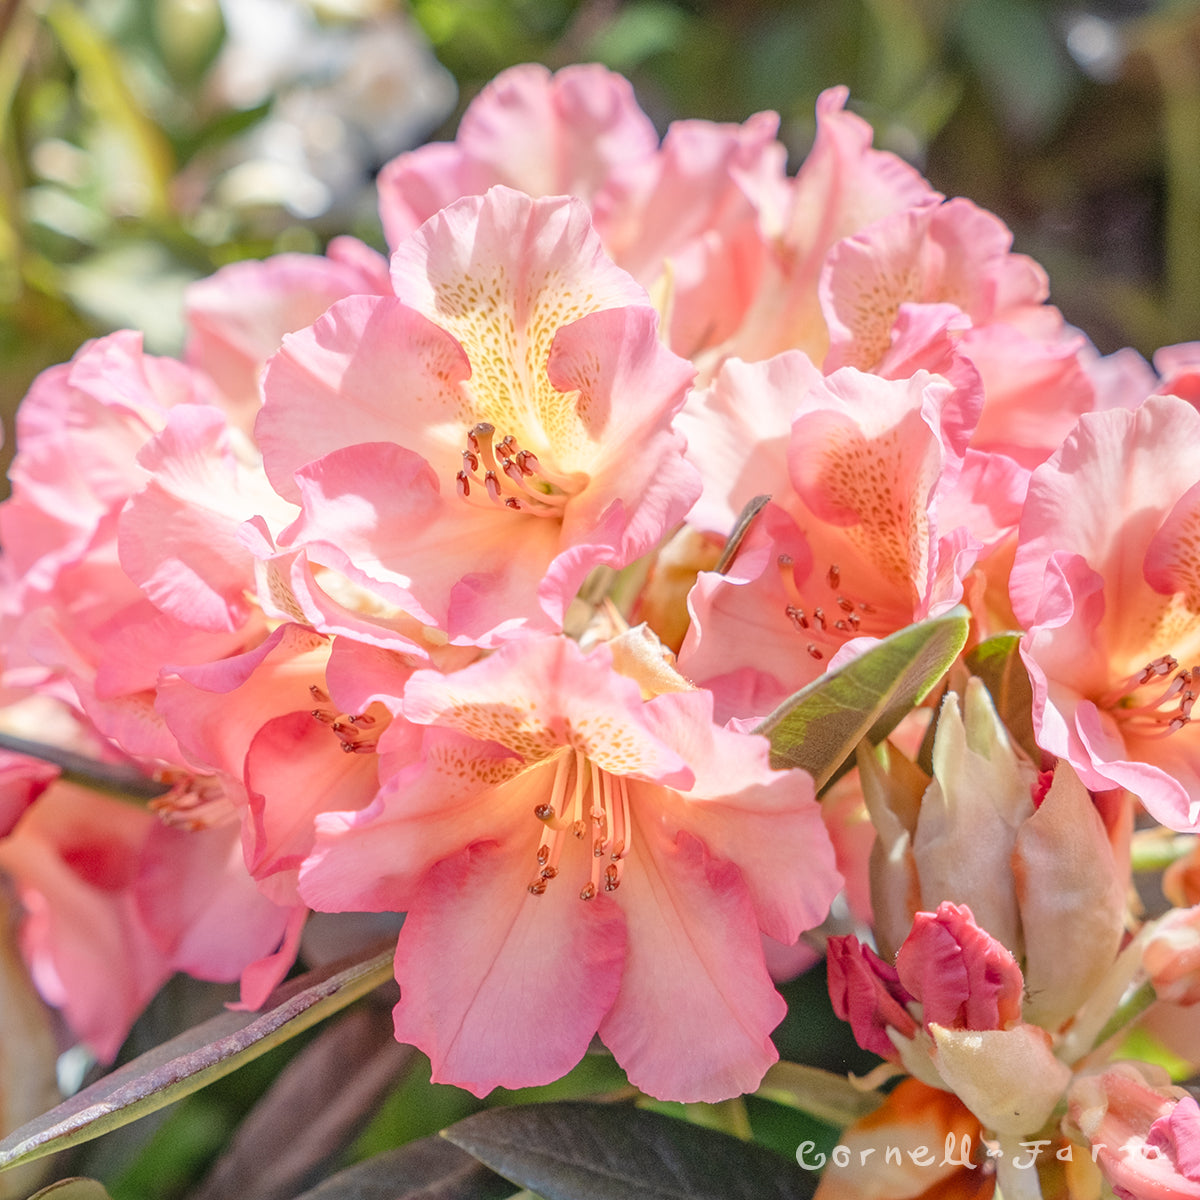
x=997, y=662
x=823, y=1094
x=573, y=1150
x=428, y=1169
x=73, y=1189
x=818, y=727
x=194, y=1059
x=313, y=1110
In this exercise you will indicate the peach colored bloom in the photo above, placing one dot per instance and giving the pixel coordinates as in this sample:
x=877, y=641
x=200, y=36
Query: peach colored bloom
x=1105, y=583
x=467, y=452
x=573, y=859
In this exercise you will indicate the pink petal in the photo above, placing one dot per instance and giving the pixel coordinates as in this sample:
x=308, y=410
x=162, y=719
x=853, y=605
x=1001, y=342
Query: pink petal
x=294, y=771
x=762, y=820
x=498, y=987
x=178, y=535
x=238, y=315
x=867, y=992
x=335, y=384
x=201, y=906
x=696, y=1007
x=567, y=133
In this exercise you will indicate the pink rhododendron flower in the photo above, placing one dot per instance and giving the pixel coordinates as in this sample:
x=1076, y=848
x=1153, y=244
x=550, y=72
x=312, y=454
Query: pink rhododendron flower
x=1171, y=956
x=961, y=975
x=573, y=859
x=281, y=748
x=843, y=186
x=867, y=992
x=467, y=452
x=92, y=433
x=1105, y=583
x=683, y=218
x=850, y=548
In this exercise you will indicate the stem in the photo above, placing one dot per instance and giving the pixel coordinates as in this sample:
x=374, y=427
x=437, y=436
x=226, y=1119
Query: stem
x=122, y=780
x=1128, y=1011
x=1013, y=1182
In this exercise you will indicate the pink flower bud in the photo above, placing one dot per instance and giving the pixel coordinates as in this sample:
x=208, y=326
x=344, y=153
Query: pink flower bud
x=866, y=991
x=963, y=977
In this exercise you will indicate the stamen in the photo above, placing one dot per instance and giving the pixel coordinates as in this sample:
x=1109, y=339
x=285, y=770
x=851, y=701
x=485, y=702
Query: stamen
x=511, y=475
x=1154, y=712
x=350, y=728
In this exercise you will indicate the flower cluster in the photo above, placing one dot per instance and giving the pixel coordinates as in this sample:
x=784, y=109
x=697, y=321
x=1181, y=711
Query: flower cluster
x=411, y=586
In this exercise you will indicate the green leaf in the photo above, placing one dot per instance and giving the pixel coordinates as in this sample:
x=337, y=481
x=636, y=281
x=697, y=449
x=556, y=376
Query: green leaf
x=997, y=662
x=822, y=1094
x=572, y=1150
x=820, y=725
x=194, y=1059
x=73, y=1189
x=429, y=1169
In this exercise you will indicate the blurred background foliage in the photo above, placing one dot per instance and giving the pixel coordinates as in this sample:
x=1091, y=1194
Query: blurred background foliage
x=146, y=142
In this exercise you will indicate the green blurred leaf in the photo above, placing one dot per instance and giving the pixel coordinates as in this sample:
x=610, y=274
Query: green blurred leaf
x=639, y=31
x=997, y=662
x=579, y=1151
x=147, y=164
x=430, y=1169
x=196, y=1058
x=1015, y=52
x=73, y=1189
x=819, y=727
x=822, y=1094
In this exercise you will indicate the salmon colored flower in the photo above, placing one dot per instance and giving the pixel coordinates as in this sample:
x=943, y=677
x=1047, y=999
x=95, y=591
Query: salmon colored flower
x=467, y=452
x=851, y=547
x=573, y=859
x=1105, y=582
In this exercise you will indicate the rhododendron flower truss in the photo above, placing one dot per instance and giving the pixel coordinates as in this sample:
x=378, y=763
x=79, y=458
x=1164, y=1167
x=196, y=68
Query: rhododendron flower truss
x=469, y=451
x=573, y=859
x=1105, y=581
